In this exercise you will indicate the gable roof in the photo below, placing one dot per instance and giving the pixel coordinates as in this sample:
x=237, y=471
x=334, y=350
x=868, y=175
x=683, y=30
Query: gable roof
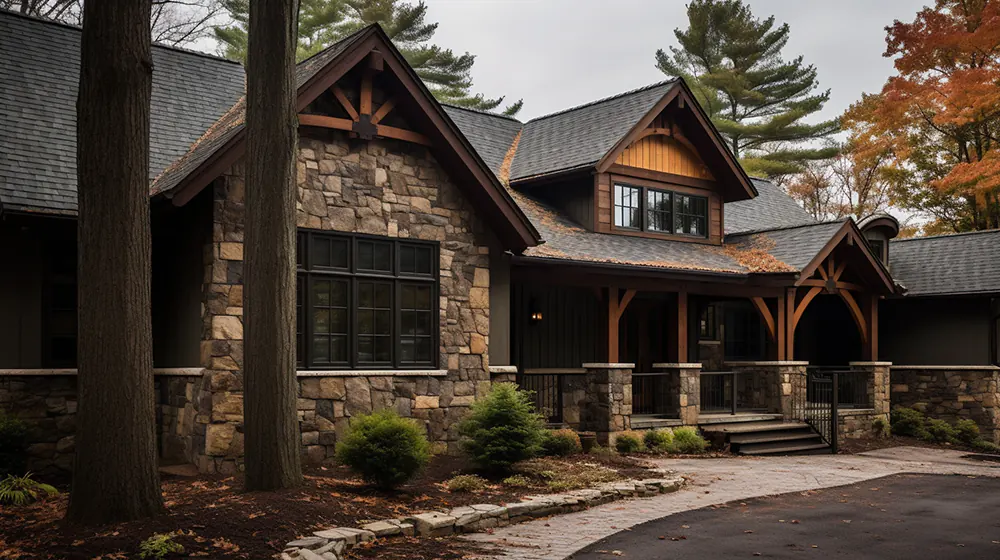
x=962, y=263
x=39, y=78
x=490, y=134
x=579, y=137
x=772, y=208
x=795, y=246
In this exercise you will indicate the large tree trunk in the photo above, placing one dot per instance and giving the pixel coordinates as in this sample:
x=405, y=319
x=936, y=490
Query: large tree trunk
x=114, y=472
x=272, y=430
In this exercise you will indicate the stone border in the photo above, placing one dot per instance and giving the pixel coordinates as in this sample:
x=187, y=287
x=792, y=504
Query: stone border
x=372, y=373
x=330, y=544
x=607, y=366
x=691, y=365
x=503, y=369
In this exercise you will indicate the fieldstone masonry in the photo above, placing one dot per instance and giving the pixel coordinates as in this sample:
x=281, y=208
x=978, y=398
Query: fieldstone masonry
x=951, y=393
x=378, y=187
x=608, y=410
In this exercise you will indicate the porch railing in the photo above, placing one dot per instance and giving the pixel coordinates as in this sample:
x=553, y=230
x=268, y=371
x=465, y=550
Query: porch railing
x=852, y=386
x=547, y=391
x=654, y=394
x=728, y=391
x=821, y=408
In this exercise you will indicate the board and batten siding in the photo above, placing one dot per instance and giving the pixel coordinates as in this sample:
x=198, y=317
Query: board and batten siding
x=568, y=334
x=664, y=154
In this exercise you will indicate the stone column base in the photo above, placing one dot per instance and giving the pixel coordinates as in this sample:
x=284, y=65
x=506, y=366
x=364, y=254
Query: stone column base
x=608, y=408
x=785, y=382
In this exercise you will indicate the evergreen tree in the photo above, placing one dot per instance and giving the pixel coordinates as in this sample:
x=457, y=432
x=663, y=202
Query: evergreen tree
x=756, y=99
x=321, y=22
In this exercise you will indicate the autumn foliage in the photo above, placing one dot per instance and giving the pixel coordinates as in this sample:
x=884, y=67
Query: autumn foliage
x=938, y=118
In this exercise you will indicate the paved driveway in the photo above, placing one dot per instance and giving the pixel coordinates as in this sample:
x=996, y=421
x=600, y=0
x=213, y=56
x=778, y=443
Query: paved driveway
x=900, y=516
x=717, y=481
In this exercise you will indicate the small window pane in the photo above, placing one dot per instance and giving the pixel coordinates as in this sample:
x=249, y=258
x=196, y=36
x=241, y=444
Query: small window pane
x=690, y=215
x=627, y=206
x=658, y=211
x=320, y=252
x=374, y=255
x=321, y=349
x=415, y=259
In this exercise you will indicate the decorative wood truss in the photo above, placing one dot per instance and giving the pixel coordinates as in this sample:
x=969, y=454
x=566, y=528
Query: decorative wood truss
x=618, y=300
x=782, y=322
x=363, y=123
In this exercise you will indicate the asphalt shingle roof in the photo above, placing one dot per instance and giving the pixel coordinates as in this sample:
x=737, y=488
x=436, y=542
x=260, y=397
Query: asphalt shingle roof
x=771, y=209
x=795, y=246
x=582, y=135
x=39, y=74
x=963, y=263
x=491, y=135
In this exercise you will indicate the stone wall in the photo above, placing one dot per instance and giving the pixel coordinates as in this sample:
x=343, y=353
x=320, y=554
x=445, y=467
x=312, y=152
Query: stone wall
x=779, y=385
x=176, y=416
x=608, y=401
x=857, y=422
x=379, y=187
x=951, y=393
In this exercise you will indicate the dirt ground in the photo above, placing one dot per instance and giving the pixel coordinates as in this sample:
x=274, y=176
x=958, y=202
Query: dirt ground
x=214, y=518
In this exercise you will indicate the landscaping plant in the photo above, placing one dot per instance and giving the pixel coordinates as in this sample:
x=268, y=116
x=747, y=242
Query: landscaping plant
x=516, y=481
x=881, y=428
x=561, y=443
x=658, y=441
x=466, y=483
x=502, y=429
x=967, y=431
x=940, y=431
x=159, y=546
x=687, y=440
x=13, y=445
x=384, y=449
x=628, y=442
x=908, y=422
x=23, y=490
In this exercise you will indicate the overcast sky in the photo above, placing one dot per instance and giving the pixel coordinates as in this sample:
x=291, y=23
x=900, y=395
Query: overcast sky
x=556, y=54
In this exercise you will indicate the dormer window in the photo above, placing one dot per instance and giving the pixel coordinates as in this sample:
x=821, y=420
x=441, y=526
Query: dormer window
x=660, y=211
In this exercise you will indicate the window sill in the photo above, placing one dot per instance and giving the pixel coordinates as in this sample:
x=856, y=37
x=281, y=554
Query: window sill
x=372, y=373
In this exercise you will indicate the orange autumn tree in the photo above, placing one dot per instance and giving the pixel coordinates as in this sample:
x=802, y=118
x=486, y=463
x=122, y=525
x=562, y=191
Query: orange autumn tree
x=938, y=120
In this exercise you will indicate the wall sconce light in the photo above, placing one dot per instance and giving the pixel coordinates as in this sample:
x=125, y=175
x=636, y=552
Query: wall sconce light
x=534, y=313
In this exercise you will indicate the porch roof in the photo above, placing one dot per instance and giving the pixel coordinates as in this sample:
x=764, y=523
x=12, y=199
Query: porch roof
x=956, y=264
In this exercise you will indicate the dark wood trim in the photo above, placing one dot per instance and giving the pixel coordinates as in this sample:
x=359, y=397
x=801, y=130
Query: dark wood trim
x=711, y=198
x=802, y=305
x=682, y=327
x=345, y=102
x=765, y=313
x=782, y=346
x=856, y=313
x=323, y=121
x=848, y=230
x=383, y=110
x=402, y=134
x=790, y=324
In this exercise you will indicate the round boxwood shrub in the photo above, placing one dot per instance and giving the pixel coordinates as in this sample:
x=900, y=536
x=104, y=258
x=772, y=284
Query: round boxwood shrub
x=908, y=422
x=384, y=449
x=561, y=443
x=502, y=429
x=687, y=440
x=658, y=441
x=628, y=442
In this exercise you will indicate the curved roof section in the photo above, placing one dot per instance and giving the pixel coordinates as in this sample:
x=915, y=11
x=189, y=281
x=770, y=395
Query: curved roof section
x=39, y=78
x=880, y=221
x=772, y=208
x=962, y=263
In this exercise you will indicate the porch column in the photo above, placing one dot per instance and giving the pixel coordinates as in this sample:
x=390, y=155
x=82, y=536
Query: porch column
x=677, y=348
x=687, y=396
x=870, y=343
x=608, y=408
x=616, y=307
x=784, y=384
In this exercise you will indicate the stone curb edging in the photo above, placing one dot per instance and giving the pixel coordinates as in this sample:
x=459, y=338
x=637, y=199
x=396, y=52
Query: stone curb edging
x=330, y=544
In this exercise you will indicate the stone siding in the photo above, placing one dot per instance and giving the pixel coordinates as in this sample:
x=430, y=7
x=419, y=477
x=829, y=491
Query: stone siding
x=608, y=408
x=379, y=187
x=951, y=393
x=858, y=422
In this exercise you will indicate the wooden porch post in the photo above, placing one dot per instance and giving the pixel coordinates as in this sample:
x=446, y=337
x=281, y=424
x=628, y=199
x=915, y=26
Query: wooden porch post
x=682, y=327
x=870, y=343
x=781, y=328
x=616, y=307
x=790, y=324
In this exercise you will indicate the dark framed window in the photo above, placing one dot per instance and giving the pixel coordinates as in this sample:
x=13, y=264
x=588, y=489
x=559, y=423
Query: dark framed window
x=878, y=248
x=708, y=324
x=627, y=207
x=660, y=211
x=365, y=302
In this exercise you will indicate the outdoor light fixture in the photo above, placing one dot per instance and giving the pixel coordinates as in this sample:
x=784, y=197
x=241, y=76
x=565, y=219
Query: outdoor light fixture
x=534, y=312
x=536, y=316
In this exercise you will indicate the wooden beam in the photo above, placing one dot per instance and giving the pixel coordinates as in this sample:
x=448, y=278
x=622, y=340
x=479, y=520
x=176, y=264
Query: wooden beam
x=375, y=61
x=402, y=134
x=345, y=102
x=837, y=284
x=840, y=270
x=801, y=307
x=790, y=324
x=765, y=313
x=613, y=317
x=682, y=327
x=872, y=316
x=626, y=299
x=323, y=121
x=365, y=104
x=859, y=317
x=383, y=110
x=822, y=274
x=781, y=328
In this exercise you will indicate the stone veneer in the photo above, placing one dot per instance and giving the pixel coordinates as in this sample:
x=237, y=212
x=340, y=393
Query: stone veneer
x=608, y=409
x=951, y=393
x=685, y=389
x=380, y=187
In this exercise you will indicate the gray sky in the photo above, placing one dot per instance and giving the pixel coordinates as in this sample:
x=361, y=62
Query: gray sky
x=560, y=53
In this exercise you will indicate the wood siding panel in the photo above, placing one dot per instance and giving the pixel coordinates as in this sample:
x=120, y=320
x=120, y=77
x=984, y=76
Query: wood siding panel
x=603, y=186
x=567, y=335
x=664, y=154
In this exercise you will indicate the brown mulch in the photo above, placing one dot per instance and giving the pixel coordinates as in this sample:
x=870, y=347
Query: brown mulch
x=860, y=445
x=215, y=518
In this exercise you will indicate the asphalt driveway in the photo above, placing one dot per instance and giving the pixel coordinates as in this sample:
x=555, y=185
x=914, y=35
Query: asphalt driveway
x=899, y=516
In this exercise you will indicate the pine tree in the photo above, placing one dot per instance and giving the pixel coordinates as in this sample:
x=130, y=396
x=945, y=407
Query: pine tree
x=756, y=99
x=321, y=22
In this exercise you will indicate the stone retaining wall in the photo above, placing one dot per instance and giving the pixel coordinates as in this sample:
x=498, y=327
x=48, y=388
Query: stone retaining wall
x=857, y=422
x=951, y=393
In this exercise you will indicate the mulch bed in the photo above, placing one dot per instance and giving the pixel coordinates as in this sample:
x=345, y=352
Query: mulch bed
x=216, y=519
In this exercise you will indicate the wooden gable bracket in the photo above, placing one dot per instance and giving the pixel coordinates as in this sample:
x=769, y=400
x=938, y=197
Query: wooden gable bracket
x=765, y=313
x=363, y=123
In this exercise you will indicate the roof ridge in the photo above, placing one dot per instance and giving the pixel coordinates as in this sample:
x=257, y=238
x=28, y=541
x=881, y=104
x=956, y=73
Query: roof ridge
x=337, y=42
x=605, y=99
x=481, y=112
x=77, y=28
x=945, y=235
x=782, y=228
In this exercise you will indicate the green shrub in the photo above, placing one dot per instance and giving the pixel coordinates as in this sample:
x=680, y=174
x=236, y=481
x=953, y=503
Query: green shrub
x=941, y=431
x=502, y=429
x=985, y=446
x=23, y=490
x=967, y=431
x=384, y=449
x=628, y=442
x=908, y=422
x=559, y=485
x=881, y=428
x=687, y=440
x=599, y=450
x=561, y=443
x=466, y=483
x=159, y=546
x=13, y=445
x=658, y=441
x=516, y=481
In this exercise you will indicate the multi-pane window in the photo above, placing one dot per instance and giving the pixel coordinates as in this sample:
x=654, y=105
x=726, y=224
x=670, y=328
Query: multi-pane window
x=708, y=326
x=878, y=248
x=627, y=207
x=365, y=302
x=660, y=211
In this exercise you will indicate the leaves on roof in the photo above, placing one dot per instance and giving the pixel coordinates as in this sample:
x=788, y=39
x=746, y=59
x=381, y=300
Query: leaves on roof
x=754, y=255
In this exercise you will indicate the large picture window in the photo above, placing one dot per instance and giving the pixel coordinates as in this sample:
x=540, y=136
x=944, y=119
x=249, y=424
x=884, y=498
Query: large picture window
x=660, y=211
x=365, y=302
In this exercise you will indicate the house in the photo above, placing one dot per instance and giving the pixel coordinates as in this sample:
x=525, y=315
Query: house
x=613, y=257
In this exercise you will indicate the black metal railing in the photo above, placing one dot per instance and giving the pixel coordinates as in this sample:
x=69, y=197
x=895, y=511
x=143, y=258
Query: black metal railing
x=821, y=406
x=653, y=394
x=547, y=390
x=728, y=391
x=852, y=386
